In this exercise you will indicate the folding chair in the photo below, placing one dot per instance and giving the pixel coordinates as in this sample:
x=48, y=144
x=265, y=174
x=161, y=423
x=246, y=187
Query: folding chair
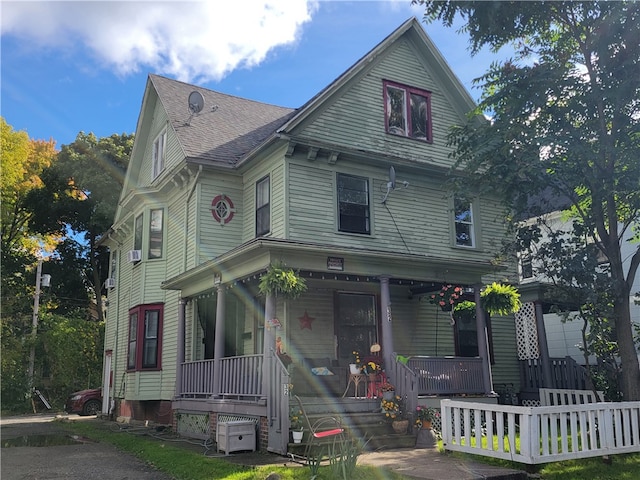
x=324, y=431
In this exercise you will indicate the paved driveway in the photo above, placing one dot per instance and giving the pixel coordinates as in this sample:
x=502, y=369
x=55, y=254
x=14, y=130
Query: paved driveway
x=77, y=460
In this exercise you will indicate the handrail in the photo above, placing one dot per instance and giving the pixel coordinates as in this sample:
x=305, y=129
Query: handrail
x=447, y=375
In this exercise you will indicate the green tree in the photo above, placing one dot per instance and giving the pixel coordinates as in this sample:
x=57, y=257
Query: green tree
x=565, y=118
x=80, y=194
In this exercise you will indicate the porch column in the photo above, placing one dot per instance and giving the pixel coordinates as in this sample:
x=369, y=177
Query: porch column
x=269, y=341
x=483, y=345
x=387, y=331
x=182, y=308
x=543, y=346
x=218, y=345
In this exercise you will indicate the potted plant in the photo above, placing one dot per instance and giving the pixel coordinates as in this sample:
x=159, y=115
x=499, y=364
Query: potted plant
x=355, y=366
x=295, y=422
x=388, y=391
x=280, y=280
x=447, y=297
x=500, y=299
x=371, y=368
x=393, y=411
x=425, y=416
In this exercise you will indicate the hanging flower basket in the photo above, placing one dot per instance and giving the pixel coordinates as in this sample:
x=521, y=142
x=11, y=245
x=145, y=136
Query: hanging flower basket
x=280, y=280
x=447, y=297
x=500, y=299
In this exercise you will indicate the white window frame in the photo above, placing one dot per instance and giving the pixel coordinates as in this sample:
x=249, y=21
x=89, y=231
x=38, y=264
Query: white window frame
x=469, y=223
x=158, y=154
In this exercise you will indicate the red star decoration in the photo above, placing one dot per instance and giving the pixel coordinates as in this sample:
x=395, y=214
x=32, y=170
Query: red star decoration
x=305, y=321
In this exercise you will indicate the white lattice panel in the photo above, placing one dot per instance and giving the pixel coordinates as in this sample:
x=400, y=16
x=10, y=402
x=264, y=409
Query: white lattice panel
x=194, y=425
x=526, y=332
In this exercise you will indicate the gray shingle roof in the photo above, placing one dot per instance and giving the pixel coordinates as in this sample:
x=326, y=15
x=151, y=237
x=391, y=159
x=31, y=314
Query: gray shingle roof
x=222, y=136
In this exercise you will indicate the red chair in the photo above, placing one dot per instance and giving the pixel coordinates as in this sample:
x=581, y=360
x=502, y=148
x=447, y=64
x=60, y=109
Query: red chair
x=324, y=431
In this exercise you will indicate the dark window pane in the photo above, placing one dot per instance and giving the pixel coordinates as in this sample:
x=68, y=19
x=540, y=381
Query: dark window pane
x=155, y=233
x=137, y=238
x=418, y=117
x=263, y=211
x=396, y=122
x=150, y=352
x=353, y=204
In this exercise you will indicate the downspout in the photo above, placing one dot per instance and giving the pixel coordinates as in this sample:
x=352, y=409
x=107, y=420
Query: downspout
x=186, y=217
x=387, y=330
x=483, y=345
x=114, y=359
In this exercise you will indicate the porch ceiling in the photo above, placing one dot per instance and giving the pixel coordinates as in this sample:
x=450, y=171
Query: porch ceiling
x=254, y=256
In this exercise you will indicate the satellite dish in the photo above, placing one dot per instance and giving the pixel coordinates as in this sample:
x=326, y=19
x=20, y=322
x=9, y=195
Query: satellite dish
x=391, y=184
x=196, y=102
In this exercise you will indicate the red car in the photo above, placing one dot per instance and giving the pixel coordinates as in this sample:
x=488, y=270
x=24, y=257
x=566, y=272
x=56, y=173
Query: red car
x=84, y=402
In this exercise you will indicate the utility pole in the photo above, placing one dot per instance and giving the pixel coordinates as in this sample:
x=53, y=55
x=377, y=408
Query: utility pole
x=44, y=281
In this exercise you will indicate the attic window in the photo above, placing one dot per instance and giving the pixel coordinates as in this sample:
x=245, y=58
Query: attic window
x=159, y=145
x=407, y=111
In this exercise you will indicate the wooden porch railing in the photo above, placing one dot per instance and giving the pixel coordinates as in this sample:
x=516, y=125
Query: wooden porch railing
x=447, y=375
x=240, y=377
x=197, y=379
x=566, y=373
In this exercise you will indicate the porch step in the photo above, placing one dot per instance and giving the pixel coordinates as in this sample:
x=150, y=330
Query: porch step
x=362, y=419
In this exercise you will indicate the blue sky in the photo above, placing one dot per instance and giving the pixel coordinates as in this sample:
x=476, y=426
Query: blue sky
x=82, y=66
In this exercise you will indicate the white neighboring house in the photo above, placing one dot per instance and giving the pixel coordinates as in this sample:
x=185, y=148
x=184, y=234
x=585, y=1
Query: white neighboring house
x=565, y=338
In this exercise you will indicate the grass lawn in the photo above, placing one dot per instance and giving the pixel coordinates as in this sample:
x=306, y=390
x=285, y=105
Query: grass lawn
x=620, y=467
x=184, y=462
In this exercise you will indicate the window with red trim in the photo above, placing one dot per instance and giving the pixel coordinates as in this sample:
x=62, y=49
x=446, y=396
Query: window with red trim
x=145, y=337
x=407, y=111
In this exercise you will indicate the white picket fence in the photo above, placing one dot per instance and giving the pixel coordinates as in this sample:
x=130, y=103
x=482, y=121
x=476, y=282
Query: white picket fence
x=545, y=434
x=565, y=396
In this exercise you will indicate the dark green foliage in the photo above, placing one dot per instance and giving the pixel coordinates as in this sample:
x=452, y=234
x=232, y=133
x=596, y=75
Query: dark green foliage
x=563, y=134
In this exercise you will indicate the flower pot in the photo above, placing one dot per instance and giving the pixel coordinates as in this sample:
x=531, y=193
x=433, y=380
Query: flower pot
x=353, y=369
x=427, y=424
x=447, y=307
x=388, y=395
x=297, y=436
x=400, y=426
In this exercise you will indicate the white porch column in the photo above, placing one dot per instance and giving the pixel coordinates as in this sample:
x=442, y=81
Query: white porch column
x=218, y=345
x=182, y=307
x=543, y=346
x=269, y=340
x=387, y=330
x=483, y=344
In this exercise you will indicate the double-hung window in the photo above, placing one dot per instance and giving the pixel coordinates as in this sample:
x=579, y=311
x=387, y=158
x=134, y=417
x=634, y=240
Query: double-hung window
x=137, y=232
x=353, y=204
x=145, y=333
x=263, y=211
x=156, y=228
x=159, y=146
x=463, y=218
x=407, y=111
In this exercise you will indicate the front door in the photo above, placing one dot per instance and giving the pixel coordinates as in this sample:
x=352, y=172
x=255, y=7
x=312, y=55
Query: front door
x=356, y=324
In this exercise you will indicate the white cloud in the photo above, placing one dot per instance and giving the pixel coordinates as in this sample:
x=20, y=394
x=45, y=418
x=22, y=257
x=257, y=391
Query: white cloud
x=201, y=40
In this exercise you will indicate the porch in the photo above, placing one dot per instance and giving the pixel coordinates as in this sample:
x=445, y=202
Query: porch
x=248, y=388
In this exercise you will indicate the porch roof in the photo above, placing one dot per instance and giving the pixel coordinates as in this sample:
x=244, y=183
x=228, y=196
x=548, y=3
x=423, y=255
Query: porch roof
x=255, y=256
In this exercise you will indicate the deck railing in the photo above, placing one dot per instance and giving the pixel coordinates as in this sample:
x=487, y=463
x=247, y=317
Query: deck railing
x=197, y=379
x=448, y=375
x=545, y=434
x=565, y=373
x=240, y=377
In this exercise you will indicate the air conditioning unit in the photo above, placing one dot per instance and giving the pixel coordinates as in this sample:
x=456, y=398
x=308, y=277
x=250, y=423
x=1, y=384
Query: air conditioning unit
x=134, y=256
x=110, y=283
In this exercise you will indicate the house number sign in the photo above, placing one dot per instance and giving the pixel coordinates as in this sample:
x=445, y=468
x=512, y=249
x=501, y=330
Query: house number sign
x=222, y=209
